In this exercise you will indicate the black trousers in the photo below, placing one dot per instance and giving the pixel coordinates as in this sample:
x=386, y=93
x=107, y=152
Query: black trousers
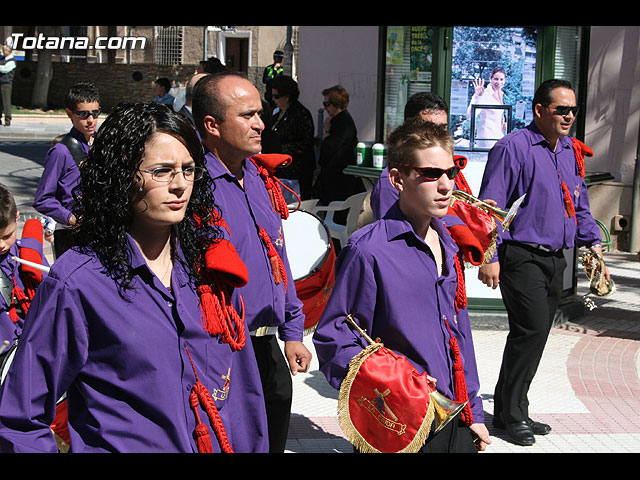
x=455, y=437
x=277, y=387
x=531, y=286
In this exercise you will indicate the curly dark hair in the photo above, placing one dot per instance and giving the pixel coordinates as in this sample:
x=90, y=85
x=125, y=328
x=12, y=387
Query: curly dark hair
x=106, y=192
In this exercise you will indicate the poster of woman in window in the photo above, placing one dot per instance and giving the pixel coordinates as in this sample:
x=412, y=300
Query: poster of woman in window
x=492, y=83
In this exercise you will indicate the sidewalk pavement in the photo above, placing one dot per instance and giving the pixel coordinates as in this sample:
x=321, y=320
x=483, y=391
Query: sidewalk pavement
x=35, y=126
x=587, y=386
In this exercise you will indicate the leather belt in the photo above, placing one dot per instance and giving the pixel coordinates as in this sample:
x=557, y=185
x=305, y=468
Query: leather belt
x=535, y=246
x=262, y=331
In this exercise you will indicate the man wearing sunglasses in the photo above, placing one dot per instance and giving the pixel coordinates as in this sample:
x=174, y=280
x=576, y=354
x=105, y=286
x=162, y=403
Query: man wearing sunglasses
x=540, y=161
x=399, y=277
x=424, y=106
x=53, y=196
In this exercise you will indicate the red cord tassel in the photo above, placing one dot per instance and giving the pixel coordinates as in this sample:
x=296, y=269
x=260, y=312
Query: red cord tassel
x=568, y=202
x=200, y=396
x=459, y=382
x=461, y=290
x=277, y=266
x=221, y=318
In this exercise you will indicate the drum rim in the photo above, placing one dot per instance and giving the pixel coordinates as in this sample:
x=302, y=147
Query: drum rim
x=330, y=246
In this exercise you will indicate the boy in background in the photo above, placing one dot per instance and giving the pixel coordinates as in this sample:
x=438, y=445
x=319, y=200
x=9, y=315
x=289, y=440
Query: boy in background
x=54, y=196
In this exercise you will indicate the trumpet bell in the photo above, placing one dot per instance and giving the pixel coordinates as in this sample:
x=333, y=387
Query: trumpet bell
x=445, y=410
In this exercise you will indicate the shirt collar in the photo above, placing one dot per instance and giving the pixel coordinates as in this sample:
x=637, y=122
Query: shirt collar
x=538, y=138
x=139, y=264
x=397, y=225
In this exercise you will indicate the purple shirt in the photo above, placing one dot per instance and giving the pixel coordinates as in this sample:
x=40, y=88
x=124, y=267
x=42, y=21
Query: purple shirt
x=246, y=210
x=59, y=177
x=522, y=162
x=386, y=277
x=124, y=366
x=383, y=195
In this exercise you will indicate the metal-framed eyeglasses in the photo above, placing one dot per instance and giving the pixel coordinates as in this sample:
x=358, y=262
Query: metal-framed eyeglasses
x=167, y=174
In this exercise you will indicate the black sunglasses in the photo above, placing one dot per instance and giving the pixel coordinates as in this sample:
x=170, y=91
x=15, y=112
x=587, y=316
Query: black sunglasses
x=564, y=110
x=432, y=174
x=85, y=113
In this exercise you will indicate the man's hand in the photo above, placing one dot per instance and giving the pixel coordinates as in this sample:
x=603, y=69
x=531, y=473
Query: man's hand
x=480, y=436
x=489, y=274
x=598, y=250
x=298, y=356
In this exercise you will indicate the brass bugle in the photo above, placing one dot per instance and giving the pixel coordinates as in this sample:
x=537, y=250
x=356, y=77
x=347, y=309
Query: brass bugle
x=504, y=216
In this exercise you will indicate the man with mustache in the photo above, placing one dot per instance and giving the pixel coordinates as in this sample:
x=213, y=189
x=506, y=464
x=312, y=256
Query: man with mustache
x=226, y=110
x=544, y=163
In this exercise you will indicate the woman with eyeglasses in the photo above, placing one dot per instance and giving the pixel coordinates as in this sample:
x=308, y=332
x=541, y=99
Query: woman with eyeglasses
x=53, y=196
x=401, y=278
x=122, y=325
x=337, y=150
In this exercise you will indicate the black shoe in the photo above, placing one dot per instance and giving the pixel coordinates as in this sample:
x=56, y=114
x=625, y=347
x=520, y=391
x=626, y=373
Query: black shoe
x=7, y=123
x=538, y=428
x=520, y=433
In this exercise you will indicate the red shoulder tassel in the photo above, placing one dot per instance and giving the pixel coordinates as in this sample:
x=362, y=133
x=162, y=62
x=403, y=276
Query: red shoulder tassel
x=267, y=164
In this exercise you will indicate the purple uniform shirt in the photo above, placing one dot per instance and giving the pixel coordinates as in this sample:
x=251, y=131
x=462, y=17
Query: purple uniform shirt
x=386, y=277
x=59, y=177
x=383, y=195
x=246, y=210
x=522, y=162
x=124, y=366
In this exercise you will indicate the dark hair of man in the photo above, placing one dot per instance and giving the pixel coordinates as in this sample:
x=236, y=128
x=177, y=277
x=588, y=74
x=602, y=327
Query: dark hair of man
x=164, y=83
x=214, y=65
x=543, y=94
x=8, y=209
x=286, y=86
x=424, y=101
x=110, y=182
x=83, y=92
x=207, y=99
x=414, y=135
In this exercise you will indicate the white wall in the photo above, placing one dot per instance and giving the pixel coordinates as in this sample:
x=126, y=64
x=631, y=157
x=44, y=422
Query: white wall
x=345, y=55
x=613, y=100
